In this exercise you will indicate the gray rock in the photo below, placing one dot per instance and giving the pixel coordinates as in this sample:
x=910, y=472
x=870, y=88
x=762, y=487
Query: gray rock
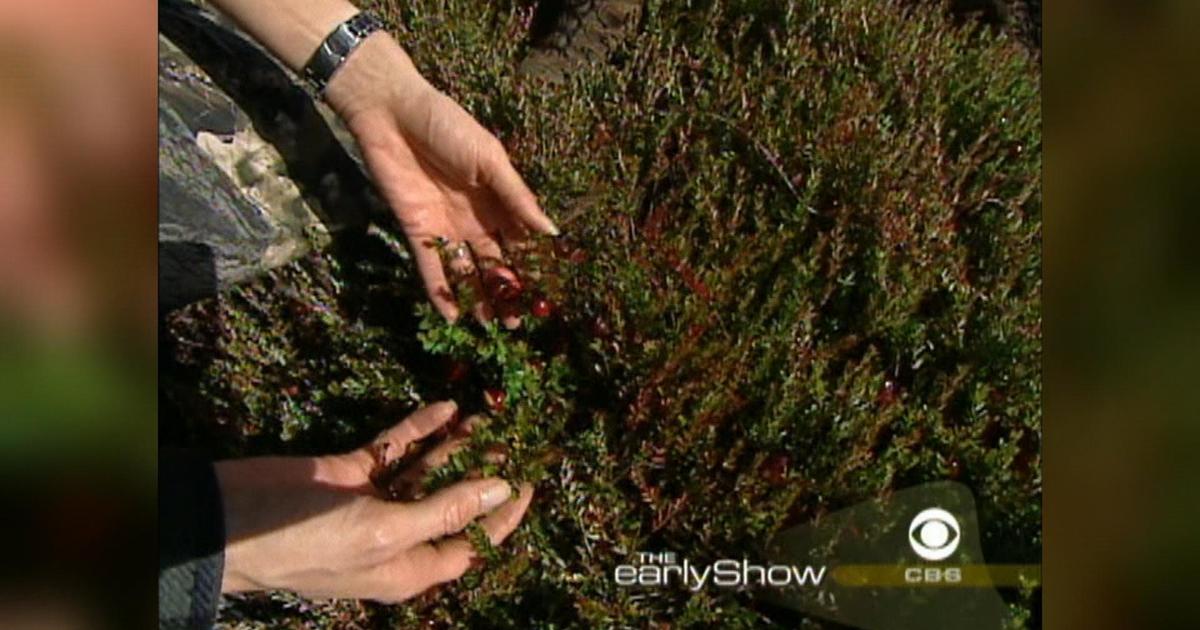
x=253, y=171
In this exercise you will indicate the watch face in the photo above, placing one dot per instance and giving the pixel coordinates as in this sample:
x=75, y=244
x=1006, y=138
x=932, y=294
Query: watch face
x=342, y=41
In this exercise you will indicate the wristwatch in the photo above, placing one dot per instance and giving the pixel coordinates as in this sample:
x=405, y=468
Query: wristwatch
x=336, y=48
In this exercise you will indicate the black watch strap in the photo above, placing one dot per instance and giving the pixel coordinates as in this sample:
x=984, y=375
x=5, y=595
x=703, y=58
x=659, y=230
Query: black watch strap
x=336, y=48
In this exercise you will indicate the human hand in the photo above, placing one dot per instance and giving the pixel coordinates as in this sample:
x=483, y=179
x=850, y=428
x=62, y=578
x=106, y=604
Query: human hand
x=319, y=527
x=447, y=179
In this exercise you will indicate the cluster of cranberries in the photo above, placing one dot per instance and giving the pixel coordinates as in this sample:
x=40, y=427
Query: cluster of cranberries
x=457, y=371
x=506, y=289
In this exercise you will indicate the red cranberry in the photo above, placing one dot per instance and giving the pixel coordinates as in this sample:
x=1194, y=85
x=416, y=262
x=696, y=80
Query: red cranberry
x=888, y=393
x=541, y=308
x=954, y=468
x=508, y=291
x=600, y=328
x=775, y=469
x=292, y=390
x=503, y=285
x=457, y=371
x=494, y=398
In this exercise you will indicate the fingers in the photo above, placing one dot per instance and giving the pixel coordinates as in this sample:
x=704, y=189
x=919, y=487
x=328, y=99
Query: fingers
x=491, y=259
x=442, y=452
x=487, y=251
x=448, y=560
x=450, y=510
x=515, y=195
x=464, y=271
x=429, y=264
x=408, y=484
x=418, y=425
x=504, y=521
x=405, y=186
x=514, y=234
x=502, y=226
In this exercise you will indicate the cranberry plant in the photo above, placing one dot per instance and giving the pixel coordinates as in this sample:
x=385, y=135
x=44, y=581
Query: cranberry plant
x=801, y=269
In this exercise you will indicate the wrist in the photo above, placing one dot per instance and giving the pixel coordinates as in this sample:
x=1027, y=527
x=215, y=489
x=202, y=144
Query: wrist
x=231, y=478
x=249, y=492
x=379, y=73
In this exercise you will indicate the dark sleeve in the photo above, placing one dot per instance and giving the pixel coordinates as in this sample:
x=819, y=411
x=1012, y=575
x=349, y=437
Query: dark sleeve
x=192, y=541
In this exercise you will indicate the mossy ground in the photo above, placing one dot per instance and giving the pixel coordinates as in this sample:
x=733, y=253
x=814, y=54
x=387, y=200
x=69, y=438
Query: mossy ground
x=802, y=269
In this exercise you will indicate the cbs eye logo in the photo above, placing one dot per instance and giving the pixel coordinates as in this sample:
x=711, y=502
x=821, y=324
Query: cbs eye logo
x=934, y=534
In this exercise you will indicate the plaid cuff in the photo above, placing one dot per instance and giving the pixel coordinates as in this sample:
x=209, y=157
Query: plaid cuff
x=192, y=541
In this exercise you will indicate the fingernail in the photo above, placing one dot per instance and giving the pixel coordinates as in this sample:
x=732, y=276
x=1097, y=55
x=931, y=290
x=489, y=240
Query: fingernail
x=495, y=494
x=448, y=408
x=554, y=231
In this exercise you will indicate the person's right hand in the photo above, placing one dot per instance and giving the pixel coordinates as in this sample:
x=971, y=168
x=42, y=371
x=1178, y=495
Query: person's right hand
x=316, y=526
x=447, y=179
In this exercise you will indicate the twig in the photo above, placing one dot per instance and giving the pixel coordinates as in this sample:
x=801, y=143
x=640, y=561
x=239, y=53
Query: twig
x=767, y=154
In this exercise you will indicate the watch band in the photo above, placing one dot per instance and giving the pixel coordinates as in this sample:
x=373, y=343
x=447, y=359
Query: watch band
x=336, y=48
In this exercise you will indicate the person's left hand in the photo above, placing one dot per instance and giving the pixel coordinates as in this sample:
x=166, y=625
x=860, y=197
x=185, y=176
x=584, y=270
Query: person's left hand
x=448, y=180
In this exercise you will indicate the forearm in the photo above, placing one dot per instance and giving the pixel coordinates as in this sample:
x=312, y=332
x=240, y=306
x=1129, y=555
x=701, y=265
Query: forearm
x=291, y=29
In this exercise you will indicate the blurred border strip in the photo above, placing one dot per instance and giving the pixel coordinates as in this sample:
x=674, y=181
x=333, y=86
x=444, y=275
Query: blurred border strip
x=1120, y=97
x=78, y=238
